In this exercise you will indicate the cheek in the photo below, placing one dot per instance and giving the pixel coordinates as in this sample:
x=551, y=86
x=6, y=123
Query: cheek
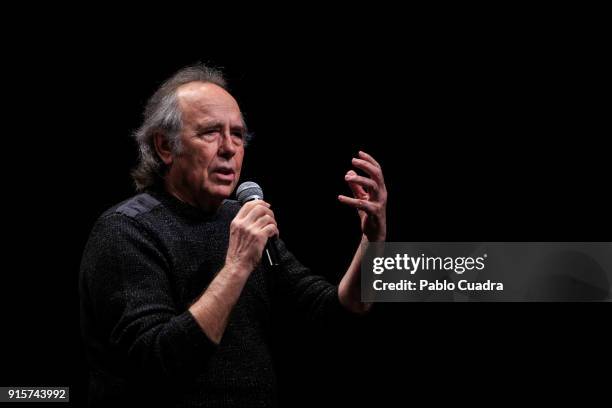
x=195, y=166
x=239, y=158
x=202, y=160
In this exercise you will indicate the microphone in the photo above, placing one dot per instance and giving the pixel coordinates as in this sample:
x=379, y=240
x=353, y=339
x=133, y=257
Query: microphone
x=249, y=191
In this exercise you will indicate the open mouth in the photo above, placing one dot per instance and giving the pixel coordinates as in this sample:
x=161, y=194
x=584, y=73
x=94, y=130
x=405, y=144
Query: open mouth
x=225, y=173
x=224, y=170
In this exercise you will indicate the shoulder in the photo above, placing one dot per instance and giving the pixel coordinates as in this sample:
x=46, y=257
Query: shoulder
x=139, y=204
x=132, y=212
x=125, y=218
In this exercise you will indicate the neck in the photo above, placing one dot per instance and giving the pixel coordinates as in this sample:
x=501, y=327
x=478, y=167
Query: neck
x=205, y=204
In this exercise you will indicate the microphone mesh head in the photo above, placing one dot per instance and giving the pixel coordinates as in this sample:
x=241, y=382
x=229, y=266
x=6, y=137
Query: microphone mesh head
x=248, y=191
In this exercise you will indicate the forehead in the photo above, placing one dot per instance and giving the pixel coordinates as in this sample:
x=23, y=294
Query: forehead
x=205, y=101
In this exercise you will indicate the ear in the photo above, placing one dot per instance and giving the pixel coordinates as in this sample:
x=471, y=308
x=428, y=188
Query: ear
x=162, y=146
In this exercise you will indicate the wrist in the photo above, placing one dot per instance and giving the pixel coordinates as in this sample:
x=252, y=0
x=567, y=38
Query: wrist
x=377, y=238
x=237, y=268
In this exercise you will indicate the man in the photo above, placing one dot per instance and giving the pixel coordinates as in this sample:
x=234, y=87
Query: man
x=175, y=302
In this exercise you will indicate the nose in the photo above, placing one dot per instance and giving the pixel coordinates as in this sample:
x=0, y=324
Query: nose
x=227, y=149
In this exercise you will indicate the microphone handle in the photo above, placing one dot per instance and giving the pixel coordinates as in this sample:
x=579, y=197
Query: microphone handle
x=271, y=252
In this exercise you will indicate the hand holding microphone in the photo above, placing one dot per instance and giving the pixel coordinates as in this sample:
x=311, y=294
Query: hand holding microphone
x=253, y=231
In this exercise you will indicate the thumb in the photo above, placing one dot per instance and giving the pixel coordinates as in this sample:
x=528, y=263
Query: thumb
x=357, y=189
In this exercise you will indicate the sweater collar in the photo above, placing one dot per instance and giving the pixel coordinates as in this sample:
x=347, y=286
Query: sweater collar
x=182, y=208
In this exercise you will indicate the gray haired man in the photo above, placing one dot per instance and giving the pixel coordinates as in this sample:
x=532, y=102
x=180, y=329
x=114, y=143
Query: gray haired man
x=175, y=303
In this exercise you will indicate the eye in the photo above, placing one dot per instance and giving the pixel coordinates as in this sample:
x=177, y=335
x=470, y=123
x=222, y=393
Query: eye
x=209, y=133
x=238, y=136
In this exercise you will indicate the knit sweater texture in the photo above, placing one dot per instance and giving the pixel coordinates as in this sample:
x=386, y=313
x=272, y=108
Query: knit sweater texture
x=146, y=261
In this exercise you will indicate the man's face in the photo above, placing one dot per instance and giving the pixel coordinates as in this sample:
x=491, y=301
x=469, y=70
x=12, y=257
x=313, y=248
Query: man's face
x=207, y=168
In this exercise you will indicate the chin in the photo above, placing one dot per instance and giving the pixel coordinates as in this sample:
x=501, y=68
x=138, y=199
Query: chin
x=222, y=191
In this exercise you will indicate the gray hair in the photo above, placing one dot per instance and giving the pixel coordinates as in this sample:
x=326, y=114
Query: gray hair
x=162, y=114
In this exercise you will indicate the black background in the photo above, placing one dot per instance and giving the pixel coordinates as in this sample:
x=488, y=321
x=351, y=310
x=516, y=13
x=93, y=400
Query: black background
x=484, y=133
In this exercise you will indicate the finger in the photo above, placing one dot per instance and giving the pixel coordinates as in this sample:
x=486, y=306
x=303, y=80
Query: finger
x=253, y=213
x=257, y=213
x=249, y=206
x=263, y=221
x=363, y=205
x=245, y=209
x=367, y=184
x=363, y=155
x=372, y=170
x=357, y=190
x=271, y=230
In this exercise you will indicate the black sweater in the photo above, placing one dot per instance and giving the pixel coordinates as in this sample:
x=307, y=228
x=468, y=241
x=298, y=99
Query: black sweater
x=147, y=260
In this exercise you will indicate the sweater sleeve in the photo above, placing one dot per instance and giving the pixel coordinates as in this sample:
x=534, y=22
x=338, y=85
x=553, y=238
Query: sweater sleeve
x=311, y=294
x=126, y=277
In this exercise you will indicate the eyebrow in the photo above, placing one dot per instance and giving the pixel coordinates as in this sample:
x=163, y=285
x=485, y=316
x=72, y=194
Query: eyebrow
x=214, y=124
x=208, y=125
